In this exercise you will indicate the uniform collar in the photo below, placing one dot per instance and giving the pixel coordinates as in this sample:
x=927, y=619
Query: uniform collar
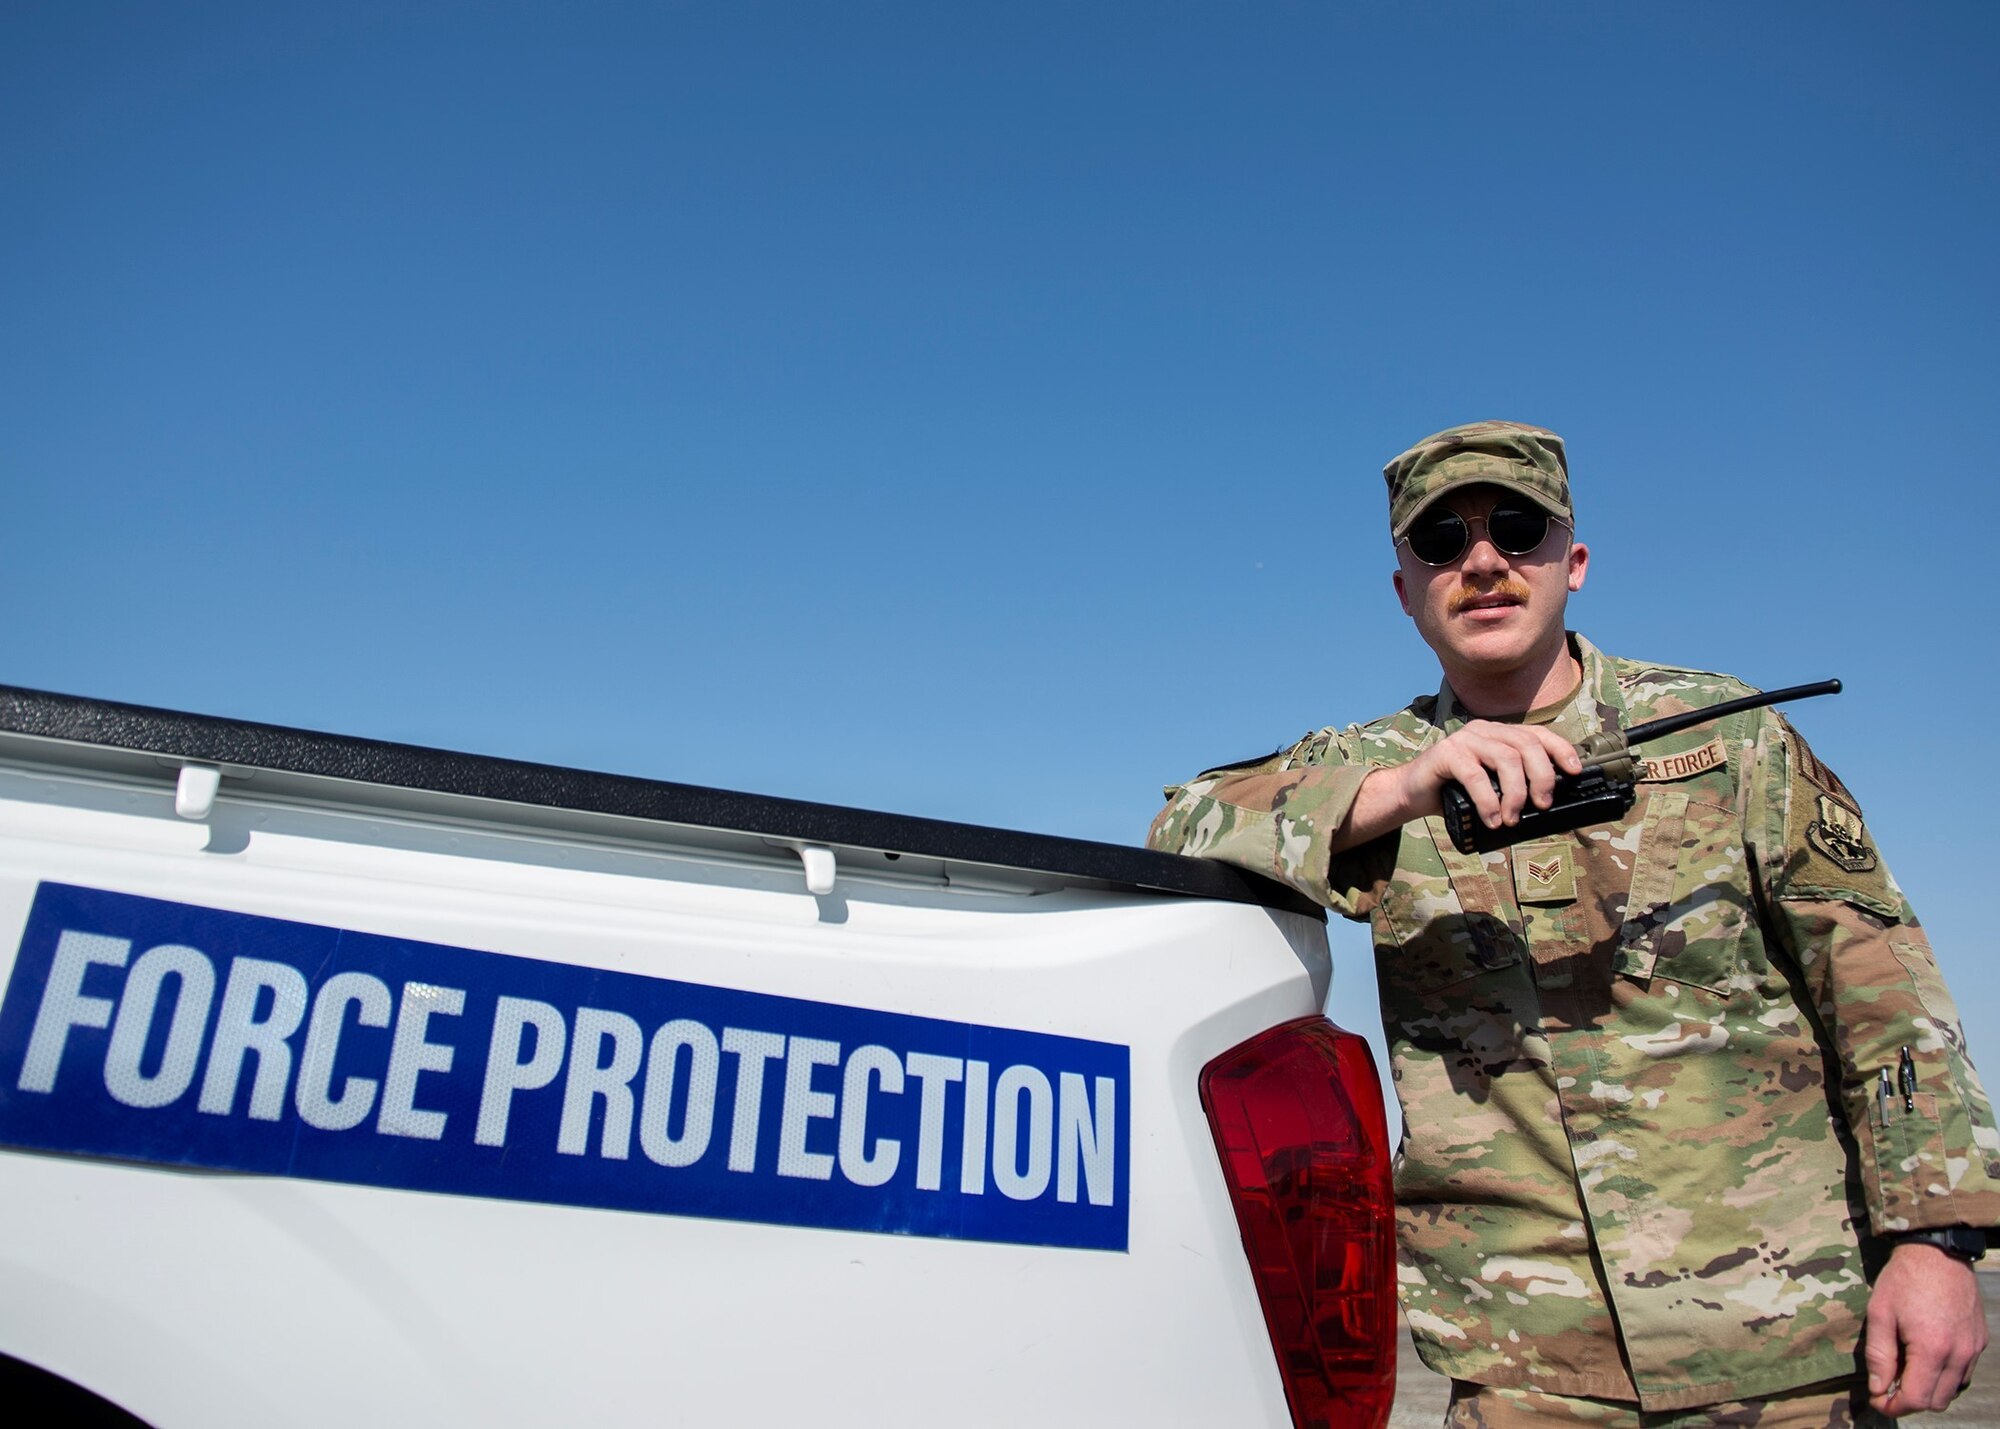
x=1597, y=704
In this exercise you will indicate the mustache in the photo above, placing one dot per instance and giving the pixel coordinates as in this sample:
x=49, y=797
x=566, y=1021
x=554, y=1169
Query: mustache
x=1509, y=585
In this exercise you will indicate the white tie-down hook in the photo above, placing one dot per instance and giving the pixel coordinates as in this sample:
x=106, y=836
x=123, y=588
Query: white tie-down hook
x=195, y=789
x=820, y=868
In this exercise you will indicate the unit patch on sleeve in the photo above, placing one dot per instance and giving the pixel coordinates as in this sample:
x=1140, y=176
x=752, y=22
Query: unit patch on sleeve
x=1838, y=833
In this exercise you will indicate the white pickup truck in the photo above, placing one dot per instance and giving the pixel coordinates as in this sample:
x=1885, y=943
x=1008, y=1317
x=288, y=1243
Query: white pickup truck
x=345, y=1082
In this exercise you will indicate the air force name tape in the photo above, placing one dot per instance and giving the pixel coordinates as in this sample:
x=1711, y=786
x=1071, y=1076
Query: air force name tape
x=163, y=1032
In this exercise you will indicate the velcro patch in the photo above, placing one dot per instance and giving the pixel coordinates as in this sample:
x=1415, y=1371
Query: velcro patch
x=1839, y=834
x=1713, y=755
x=1545, y=871
x=1809, y=765
x=1831, y=853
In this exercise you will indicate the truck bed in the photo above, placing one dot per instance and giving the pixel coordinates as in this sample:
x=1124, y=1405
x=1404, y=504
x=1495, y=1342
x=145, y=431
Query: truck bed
x=386, y=1082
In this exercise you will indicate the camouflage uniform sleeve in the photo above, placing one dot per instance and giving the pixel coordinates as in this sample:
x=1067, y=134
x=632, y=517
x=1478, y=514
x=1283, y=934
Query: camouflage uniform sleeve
x=1277, y=816
x=1869, y=971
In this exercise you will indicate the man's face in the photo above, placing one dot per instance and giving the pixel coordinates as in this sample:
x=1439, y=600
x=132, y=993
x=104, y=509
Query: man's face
x=1489, y=614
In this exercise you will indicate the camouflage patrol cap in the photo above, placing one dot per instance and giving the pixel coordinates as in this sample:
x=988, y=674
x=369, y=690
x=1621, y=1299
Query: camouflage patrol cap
x=1526, y=459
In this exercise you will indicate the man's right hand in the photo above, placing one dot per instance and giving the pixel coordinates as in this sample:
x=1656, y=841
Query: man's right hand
x=1524, y=758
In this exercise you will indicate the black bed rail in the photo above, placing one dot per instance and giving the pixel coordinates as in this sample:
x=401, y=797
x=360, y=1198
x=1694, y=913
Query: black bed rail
x=172, y=735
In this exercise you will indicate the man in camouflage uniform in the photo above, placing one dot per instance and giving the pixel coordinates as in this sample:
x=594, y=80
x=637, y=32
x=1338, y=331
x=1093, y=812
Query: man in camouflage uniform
x=1665, y=1157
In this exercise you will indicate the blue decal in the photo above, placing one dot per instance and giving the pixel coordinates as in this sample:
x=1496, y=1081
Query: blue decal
x=163, y=1032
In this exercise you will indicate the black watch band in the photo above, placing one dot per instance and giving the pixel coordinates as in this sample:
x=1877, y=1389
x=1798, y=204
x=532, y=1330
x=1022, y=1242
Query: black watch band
x=1960, y=1242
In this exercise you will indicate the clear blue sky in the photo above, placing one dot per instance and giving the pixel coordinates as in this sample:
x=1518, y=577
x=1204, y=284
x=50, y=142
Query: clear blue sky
x=977, y=410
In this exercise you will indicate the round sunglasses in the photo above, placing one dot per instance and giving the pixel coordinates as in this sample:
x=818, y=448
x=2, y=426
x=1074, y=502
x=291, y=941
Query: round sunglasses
x=1442, y=536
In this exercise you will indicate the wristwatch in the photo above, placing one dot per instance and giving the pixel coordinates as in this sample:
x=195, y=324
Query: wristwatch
x=1959, y=1242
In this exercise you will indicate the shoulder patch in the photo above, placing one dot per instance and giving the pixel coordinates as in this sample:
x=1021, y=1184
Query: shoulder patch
x=1815, y=773
x=1831, y=854
x=1838, y=833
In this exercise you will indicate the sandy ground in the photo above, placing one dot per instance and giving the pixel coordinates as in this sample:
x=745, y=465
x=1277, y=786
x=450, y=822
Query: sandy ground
x=1421, y=1395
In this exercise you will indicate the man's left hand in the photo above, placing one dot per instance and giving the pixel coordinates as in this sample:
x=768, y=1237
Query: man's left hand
x=1926, y=1329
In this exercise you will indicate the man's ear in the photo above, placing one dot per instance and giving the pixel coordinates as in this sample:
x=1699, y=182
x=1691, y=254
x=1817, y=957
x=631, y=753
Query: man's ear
x=1403, y=594
x=1579, y=564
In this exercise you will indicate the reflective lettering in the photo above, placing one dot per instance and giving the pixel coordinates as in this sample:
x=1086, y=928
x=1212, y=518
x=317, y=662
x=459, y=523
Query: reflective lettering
x=317, y=1106
x=590, y=1078
x=803, y=1105
x=933, y=1075
x=972, y=1146
x=856, y=1164
x=753, y=1050
x=411, y=1055
x=238, y=1030
x=64, y=1006
x=1086, y=1137
x=506, y=1073
x=1014, y=1182
x=148, y=1031
x=195, y=977
x=662, y=1062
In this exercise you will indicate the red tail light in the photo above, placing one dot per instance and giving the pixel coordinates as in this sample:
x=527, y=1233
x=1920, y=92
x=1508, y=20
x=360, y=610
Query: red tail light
x=1297, y=1116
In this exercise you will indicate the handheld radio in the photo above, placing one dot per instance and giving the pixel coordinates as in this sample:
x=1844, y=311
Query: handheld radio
x=1605, y=790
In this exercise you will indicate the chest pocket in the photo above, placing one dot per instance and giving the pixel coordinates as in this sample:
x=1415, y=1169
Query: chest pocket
x=1447, y=917
x=1685, y=914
